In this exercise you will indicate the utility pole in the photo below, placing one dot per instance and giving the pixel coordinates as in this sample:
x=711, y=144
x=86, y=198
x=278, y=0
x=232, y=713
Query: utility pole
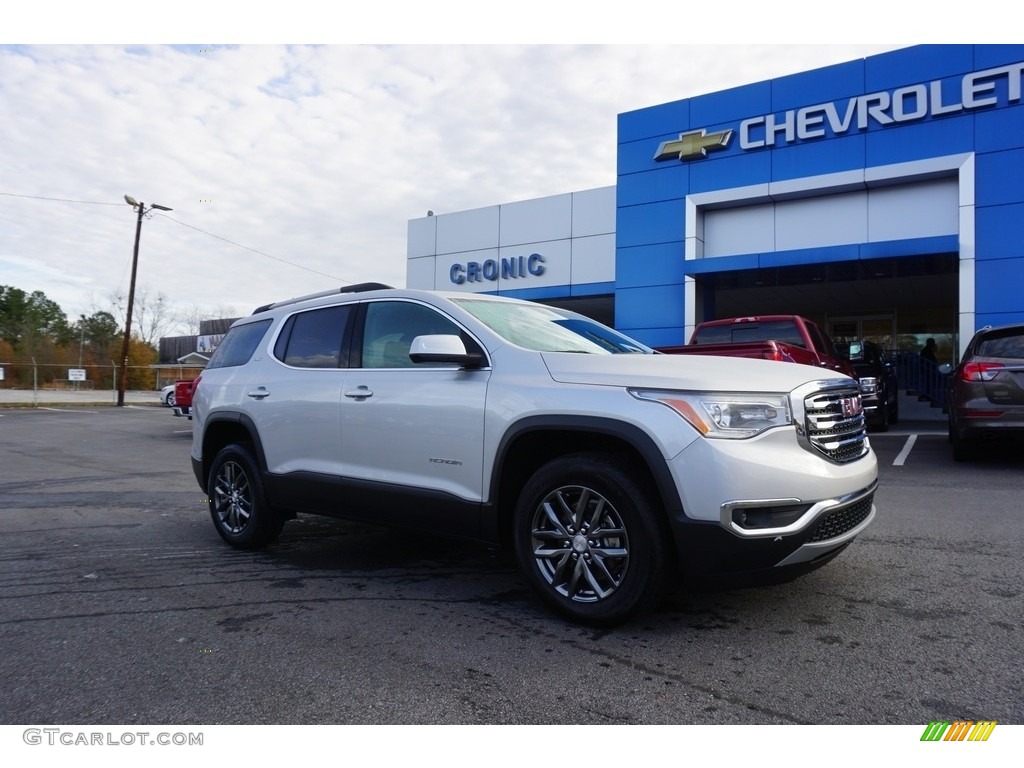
x=141, y=208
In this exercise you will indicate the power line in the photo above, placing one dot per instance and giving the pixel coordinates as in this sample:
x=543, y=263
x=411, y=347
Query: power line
x=56, y=199
x=261, y=253
x=197, y=229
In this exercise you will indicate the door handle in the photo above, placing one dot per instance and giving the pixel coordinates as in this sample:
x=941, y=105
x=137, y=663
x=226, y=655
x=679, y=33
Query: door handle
x=359, y=393
x=259, y=393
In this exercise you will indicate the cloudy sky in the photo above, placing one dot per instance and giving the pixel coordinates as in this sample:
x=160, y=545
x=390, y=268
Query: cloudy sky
x=295, y=168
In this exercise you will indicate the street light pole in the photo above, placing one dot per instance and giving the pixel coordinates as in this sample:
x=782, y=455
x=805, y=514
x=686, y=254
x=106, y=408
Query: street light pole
x=141, y=208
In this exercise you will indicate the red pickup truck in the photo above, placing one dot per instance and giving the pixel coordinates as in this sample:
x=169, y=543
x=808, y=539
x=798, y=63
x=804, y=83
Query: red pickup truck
x=789, y=338
x=183, y=390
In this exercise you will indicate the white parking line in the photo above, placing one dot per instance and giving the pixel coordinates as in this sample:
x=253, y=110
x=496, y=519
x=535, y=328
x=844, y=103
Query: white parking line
x=905, y=452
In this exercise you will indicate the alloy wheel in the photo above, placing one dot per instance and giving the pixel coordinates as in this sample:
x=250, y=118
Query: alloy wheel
x=580, y=544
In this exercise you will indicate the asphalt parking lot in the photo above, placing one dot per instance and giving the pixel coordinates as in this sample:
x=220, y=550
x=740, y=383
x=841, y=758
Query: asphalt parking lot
x=119, y=604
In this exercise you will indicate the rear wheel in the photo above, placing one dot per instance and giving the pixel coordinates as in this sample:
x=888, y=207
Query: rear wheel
x=238, y=507
x=963, y=449
x=588, y=540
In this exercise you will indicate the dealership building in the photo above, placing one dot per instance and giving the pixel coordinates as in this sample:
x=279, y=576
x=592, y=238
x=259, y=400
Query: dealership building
x=882, y=197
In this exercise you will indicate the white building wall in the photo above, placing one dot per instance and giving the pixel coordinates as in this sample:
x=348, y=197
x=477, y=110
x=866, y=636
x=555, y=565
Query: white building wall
x=568, y=240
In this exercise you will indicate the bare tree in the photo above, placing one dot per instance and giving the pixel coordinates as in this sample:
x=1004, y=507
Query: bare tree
x=188, y=321
x=152, y=315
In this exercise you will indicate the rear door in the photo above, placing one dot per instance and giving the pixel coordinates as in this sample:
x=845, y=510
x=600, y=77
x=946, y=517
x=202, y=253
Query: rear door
x=294, y=397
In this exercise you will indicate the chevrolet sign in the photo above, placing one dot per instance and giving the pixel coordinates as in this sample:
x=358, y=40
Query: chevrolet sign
x=693, y=144
x=883, y=108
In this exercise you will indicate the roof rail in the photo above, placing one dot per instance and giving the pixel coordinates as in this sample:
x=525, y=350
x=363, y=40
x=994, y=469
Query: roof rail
x=354, y=288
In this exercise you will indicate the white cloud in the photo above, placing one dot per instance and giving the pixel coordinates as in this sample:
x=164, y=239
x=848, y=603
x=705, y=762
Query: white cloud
x=318, y=155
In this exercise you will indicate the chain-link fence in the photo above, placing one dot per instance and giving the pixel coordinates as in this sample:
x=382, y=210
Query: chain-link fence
x=31, y=375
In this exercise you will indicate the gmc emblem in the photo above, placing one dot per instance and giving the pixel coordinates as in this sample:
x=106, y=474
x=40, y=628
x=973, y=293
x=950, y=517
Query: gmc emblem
x=851, y=407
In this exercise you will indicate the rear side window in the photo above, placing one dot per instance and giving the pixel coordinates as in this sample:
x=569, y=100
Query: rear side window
x=315, y=339
x=773, y=330
x=1008, y=343
x=238, y=345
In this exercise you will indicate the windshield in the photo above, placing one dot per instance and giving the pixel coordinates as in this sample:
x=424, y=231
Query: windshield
x=549, y=329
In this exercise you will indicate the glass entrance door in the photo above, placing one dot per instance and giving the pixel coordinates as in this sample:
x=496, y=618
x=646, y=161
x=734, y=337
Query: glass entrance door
x=877, y=328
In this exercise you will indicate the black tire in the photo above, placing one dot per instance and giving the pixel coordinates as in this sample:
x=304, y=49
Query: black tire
x=238, y=506
x=170, y=399
x=883, y=421
x=588, y=539
x=963, y=449
x=894, y=412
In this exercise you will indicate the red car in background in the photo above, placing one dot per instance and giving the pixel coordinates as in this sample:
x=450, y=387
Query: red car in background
x=788, y=338
x=183, y=391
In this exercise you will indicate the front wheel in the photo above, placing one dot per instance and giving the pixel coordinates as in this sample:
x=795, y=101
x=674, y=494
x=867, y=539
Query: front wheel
x=588, y=540
x=239, y=510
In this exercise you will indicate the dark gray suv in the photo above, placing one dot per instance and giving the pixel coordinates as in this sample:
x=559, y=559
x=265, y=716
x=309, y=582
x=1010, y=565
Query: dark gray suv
x=986, y=395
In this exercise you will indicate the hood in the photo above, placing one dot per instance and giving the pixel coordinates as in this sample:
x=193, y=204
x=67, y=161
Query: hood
x=685, y=372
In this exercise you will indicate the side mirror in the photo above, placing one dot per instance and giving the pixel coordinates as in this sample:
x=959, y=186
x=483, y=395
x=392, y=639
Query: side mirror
x=443, y=348
x=945, y=369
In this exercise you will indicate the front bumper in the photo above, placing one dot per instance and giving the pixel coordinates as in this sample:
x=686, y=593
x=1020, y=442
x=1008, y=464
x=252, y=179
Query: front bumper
x=767, y=503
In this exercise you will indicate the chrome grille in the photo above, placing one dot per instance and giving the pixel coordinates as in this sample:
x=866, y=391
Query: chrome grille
x=836, y=522
x=834, y=422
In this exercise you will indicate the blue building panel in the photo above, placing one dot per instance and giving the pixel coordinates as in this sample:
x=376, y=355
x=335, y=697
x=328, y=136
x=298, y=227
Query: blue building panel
x=918, y=246
x=999, y=178
x=804, y=256
x=649, y=224
x=660, y=337
x=592, y=289
x=988, y=56
x=818, y=86
x=999, y=129
x=999, y=233
x=730, y=106
x=652, y=121
x=652, y=307
x=722, y=264
x=648, y=265
x=918, y=141
x=717, y=172
x=534, y=294
x=668, y=182
x=638, y=156
x=812, y=158
x=999, y=284
x=994, y=319
x=919, y=64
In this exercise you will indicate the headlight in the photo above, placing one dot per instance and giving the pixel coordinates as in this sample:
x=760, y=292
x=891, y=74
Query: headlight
x=869, y=385
x=734, y=415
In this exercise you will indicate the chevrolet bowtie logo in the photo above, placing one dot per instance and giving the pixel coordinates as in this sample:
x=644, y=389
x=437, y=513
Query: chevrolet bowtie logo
x=692, y=144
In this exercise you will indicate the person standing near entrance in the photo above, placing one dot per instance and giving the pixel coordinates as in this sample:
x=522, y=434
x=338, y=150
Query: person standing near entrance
x=928, y=353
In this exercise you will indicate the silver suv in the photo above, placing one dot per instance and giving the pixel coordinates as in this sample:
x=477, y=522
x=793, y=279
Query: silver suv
x=611, y=470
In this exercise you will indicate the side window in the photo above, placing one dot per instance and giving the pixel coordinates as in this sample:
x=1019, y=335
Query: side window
x=390, y=328
x=238, y=345
x=315, y=339
x=821, y=341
